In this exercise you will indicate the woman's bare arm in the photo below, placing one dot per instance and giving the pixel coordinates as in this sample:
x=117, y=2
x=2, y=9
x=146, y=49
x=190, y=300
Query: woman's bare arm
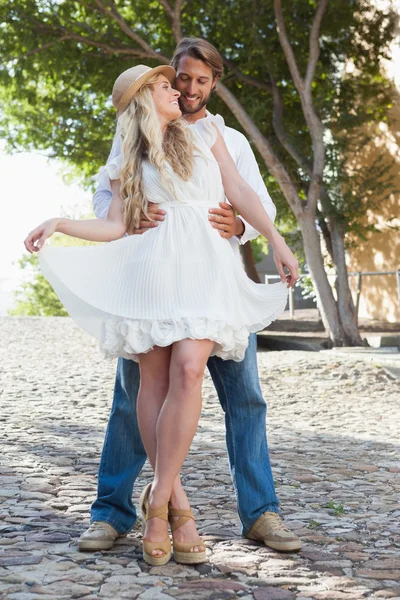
x=95, y=230
x=247, y=203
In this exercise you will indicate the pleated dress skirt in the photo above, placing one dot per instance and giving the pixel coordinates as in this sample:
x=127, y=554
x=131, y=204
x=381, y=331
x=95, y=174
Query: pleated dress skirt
x=176, y=281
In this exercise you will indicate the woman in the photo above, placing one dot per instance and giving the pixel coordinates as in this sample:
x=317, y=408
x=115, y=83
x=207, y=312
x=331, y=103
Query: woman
x=170, y=298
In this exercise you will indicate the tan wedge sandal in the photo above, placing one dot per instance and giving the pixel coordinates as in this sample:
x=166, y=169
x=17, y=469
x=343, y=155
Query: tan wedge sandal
x=165, y=545
x=182, y=550
x=143, y=503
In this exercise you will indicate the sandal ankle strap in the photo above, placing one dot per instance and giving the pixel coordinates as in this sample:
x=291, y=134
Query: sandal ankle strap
x=177, y=512
x=184, y=517
x=161, y=512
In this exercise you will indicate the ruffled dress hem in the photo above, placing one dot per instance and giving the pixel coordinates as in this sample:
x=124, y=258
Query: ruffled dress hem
x=129, y=337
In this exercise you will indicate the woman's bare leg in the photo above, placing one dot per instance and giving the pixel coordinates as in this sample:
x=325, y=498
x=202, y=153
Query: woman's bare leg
x=176, y=426
x=152, y=394
x=154, y=384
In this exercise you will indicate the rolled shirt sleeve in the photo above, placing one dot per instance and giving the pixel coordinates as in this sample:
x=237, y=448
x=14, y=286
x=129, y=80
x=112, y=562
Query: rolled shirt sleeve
x=102, y=196
x=248, y=168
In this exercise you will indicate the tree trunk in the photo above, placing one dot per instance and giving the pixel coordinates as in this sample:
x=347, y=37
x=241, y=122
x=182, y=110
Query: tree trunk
x=325, y=299
x=326, y=234
x=345, y=302
x=248, y=261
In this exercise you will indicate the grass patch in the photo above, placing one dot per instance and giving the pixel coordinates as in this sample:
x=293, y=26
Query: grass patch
x=337, y=508
x=313, y=525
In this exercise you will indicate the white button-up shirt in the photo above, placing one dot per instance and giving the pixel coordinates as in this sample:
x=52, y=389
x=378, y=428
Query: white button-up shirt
x=246, y=164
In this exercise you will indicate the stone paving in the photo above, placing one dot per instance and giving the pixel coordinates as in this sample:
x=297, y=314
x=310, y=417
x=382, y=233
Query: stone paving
x=333, y=425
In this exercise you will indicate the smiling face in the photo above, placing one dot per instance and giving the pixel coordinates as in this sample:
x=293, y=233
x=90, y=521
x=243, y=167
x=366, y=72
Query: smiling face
x=195, y=81
x=165, y=99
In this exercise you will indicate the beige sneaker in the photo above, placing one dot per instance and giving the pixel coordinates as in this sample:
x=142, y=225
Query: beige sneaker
x=99, y=536
x=270, y=530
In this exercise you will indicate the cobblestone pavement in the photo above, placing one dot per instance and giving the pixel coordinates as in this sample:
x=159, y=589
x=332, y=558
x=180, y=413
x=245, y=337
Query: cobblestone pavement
x=333, y=427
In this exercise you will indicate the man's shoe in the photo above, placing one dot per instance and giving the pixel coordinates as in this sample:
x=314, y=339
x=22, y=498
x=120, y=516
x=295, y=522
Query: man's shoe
x=270, y=530
x=99, y=536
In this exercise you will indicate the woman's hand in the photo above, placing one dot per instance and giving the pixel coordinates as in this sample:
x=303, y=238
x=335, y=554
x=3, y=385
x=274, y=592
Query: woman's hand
x=284, y=257
x=37, y=237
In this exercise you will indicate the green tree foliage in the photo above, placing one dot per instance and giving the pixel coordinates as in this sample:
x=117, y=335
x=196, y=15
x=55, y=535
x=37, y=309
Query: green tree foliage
x=35, y=297
x=60, y=58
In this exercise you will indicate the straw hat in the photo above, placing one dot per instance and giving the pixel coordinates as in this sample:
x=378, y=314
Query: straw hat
x=131, y=80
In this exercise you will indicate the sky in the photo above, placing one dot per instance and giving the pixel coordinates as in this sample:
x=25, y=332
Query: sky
x=34, y=191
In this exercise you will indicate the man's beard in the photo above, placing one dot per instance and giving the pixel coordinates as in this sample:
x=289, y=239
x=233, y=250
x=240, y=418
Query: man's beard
x=192, y=110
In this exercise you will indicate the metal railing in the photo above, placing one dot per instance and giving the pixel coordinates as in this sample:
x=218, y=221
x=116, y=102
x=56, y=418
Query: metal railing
x=358, y=274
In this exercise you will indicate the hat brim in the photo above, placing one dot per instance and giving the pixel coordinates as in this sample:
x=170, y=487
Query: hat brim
x=127, y=96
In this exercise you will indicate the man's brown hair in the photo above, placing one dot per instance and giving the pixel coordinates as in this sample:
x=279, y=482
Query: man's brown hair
x=201, y=50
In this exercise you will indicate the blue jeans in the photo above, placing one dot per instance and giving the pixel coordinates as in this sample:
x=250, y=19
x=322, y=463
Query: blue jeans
x=123, y=455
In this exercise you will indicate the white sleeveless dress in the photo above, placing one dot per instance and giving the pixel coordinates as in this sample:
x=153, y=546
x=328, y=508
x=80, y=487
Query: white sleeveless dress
x=179, y=280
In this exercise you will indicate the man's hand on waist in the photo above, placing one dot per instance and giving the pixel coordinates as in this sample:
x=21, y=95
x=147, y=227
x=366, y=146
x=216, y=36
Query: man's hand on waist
x=225, y=221
x=155, y=213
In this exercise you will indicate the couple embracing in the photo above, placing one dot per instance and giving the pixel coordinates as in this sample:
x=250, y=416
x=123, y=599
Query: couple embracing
x=172, y=301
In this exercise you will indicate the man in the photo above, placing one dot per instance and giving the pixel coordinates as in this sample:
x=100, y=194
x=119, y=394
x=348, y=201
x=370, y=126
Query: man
x=198, y=66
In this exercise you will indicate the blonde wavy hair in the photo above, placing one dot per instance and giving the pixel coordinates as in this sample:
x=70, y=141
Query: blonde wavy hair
x=140, y=129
